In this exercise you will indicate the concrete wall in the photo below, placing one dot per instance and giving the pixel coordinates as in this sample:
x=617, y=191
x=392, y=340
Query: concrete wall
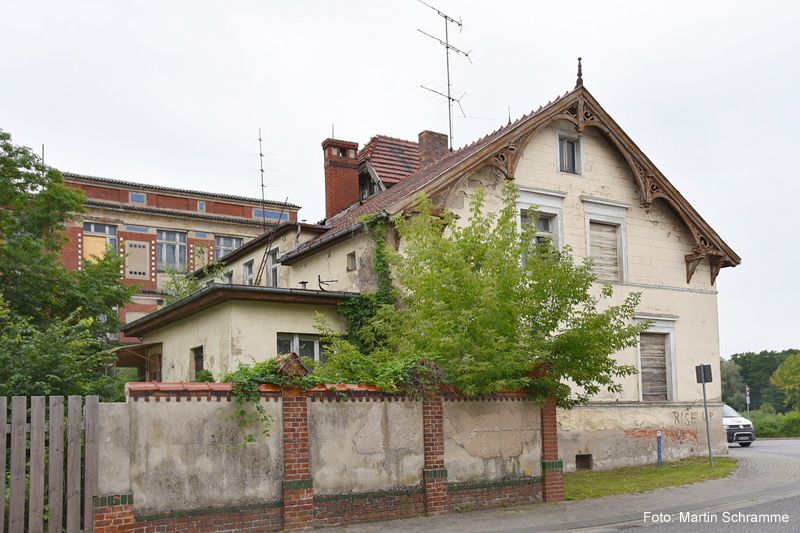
x=491, y=440
x=179, y=455
x=625, y=434
x=365, y=446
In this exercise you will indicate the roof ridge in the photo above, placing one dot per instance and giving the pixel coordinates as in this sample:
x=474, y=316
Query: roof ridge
x=68, y=174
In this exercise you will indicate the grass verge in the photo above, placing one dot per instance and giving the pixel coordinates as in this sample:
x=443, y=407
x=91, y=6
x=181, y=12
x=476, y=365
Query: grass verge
x=587, y=484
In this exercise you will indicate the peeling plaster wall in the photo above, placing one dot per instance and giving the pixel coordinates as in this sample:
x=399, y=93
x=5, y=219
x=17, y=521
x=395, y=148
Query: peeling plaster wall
x=625, y=434
x=234, y=332
x=492, y=440
x=186, y=455
x=331, y=264
x=365, y=446
x=656, y=244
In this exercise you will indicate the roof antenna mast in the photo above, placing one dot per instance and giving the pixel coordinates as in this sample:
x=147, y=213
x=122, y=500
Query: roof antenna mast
x=263, y=201
x=447, y=46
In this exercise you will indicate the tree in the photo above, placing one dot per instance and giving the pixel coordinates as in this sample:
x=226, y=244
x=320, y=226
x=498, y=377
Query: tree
x=494, y=308
x=733, y=388
x=54, y=323
x=787, y=378
x=756, y=370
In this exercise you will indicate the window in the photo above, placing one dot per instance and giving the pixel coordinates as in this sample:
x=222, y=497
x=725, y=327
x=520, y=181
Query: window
x=606, y=237
x=197, y=356
x=227, y=277
x=201, y=206
x=171, y=250
x=225, y=245
x=656, y=358
x=546, y=205
x=306, y=346
x=351, y=261
x=262, y=213
x=97, y=238
x=249, y=273
x=138, y=197
x=273, y=269
x=570, y=151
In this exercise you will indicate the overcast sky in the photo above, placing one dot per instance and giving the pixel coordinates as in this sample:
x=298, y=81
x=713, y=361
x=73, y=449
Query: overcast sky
x=174, y=92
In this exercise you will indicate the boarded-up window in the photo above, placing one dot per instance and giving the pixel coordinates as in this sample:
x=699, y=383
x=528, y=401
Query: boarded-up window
x=94, y=246
x=653, y=352
x=137, y=264
x=604, y=250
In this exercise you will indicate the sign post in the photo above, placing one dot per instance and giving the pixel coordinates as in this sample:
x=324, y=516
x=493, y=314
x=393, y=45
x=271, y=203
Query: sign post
x=747, y=389
x=658, y=434
x=704, y=376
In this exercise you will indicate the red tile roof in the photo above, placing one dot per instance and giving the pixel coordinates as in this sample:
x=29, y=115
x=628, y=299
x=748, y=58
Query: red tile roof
x=393, y=159
x=411, y=184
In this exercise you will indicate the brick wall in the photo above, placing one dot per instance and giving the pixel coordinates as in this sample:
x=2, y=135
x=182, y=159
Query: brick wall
x=341, y=176
x=552, y=466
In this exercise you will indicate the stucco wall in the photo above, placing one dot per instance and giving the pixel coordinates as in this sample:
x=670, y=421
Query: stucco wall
x=492, y=440
x=365, y=446
x=331, y=264
x=625, y=434
x=186, y=455
x=234, y=332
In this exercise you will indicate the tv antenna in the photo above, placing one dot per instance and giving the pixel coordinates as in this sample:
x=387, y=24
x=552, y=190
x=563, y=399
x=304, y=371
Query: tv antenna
x=447, y=46
x=265, y=259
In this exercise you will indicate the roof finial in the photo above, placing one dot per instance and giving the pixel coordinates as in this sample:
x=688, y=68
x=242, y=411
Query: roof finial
x=579, y=83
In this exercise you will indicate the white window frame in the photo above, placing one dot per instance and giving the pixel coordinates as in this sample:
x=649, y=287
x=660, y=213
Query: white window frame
x=663, y=324
x=249, y=272
x=613, y=213
x=273, y=268
x=351, y=262
x=180, y=245
x=109, y=231
x=295, y=339
x=548, y=204
x=579, y=152
x=220, y=250
x=227, y=277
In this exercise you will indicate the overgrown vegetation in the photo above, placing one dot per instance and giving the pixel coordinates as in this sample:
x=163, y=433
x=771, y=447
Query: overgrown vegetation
x=787, y=378
x=245, y=381
x=771, y=424
x=486, y=308
x=585, y=484
x=54, y=323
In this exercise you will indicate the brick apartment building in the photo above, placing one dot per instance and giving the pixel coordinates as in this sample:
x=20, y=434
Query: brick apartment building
x=156, y=228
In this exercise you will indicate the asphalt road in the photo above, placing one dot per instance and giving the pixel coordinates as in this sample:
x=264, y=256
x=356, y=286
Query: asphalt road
x=762, y=495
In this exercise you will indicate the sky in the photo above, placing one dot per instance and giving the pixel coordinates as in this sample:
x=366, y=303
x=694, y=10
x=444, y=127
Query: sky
x=174, y=93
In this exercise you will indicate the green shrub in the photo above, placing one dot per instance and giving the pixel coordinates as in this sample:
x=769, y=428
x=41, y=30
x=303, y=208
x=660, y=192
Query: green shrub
x=775, y=424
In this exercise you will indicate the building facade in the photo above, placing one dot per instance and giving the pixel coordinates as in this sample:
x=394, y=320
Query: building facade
x=595, y=191
x=157, y=229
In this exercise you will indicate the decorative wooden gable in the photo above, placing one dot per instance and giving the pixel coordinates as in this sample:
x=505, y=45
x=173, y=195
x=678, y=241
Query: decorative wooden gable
x=503, y=150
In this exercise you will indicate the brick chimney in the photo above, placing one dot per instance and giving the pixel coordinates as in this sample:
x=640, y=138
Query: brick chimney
x=432, y=147
x=341, y=175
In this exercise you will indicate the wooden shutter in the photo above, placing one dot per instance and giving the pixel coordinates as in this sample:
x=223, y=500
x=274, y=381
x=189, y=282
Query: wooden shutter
x=653, y=351
x=604, y=252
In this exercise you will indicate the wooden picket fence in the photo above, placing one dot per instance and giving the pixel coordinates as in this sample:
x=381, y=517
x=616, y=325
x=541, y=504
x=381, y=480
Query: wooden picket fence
x=51, y=458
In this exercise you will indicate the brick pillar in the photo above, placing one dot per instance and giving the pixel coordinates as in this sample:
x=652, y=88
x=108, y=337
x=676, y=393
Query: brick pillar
x=434, y=475
x=298, y=494
x=552, y=466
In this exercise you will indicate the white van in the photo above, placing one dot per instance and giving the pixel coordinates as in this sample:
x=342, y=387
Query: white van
x=739, y=429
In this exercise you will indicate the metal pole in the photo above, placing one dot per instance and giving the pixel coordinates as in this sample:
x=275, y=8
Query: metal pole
x=708, y=427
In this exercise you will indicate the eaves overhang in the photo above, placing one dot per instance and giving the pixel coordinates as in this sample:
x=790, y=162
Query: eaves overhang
x=217, y=293
x=503, y=150
x=262, y=239
x=173, y=213
x=298, y=254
